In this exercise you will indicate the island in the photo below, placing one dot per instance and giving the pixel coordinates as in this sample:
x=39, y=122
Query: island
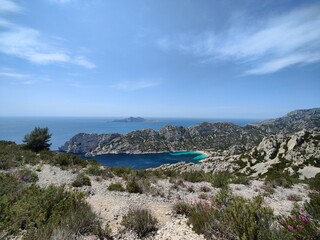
x=132, y=119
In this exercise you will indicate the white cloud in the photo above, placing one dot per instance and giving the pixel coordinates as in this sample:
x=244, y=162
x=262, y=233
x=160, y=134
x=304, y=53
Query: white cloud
x=16, y=75
x=8, y=6
x=32, y=45
x=282, y=41
x=134, y=85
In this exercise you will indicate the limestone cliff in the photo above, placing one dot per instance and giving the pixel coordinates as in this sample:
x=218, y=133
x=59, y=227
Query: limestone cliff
x=201, y=137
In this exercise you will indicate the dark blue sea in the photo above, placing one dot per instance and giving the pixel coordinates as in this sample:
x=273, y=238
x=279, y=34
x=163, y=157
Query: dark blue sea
x=63, y=128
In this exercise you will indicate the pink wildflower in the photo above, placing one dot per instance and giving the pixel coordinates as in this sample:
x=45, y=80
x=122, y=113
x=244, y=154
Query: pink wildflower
x=304, y=218
x=290, y=227
x=293, y=217
x=299, y=227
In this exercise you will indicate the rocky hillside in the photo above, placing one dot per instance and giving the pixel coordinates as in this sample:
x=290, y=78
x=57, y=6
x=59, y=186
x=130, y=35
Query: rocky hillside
x=276, y=156
x=169, y=138
x=292, y=122
x=201, y=137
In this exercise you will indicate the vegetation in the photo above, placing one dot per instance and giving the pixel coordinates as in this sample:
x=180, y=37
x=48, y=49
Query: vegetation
x=116, y=187
x=133, y=187
x=13, y=155
x=230, y=217
x=26, y=175
x=313, y=206
x=38, y=139
x=141, y=221
x=81, y=180
x=50, y=213
x=300, y=225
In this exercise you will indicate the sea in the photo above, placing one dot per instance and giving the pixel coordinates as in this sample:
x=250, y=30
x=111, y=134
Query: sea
x=63, y=128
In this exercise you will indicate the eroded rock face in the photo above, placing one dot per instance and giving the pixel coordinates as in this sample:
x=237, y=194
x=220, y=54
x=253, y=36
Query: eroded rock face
x=201, y=137
x=169, y=138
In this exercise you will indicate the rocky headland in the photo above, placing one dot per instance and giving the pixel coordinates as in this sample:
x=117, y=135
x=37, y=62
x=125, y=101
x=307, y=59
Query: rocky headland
x=214, y=136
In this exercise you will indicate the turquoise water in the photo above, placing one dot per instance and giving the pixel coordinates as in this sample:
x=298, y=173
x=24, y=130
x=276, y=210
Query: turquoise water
x=143, y=161
x=63, y=128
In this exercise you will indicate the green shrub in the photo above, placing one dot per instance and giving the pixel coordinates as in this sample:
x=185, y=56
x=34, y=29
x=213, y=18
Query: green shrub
x=116, y=187
x=81, y=180
x=194, y=176
x=141, y=221
x=97, y=170
x=121, y=171
x=26, y=175
x=241, y=179
x=202, y=218
x=13, y=155
x=313, y=206
x=280, y=179
x=314, y=183
x=182, y=208
x=221, y=179
x=50, y=213
x=300, y=226
x=133, y=187
x=248, y=219
x=68, y=160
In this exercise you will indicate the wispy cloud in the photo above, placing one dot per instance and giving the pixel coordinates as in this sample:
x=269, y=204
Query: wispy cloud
x=134, y=85
x=16, y=75
x=61, y=1
x=281, y=41
x=8, y=6
x=30, y=44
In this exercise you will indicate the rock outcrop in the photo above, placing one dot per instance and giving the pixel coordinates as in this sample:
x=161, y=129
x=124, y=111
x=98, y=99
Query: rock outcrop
x=201, y=137
x=169, y=138
x=292, y=122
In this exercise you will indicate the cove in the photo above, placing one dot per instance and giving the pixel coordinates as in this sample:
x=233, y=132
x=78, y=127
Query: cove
x=143, y=161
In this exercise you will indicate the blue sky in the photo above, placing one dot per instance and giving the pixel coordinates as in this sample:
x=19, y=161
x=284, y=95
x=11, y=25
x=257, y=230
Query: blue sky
x=165, y=58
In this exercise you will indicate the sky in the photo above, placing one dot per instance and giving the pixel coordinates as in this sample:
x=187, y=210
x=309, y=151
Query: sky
x=159, y=58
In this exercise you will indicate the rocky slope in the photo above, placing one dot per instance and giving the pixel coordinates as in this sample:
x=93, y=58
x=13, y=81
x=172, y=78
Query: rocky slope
x=201, y=137
x=295, y=155
x=292, y=122
x=169, y=138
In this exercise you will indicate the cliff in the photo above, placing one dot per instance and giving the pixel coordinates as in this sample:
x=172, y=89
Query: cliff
x=201, y=137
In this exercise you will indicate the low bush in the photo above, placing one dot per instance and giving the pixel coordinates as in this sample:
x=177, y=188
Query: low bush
x=241, y=179
x=230, y=217
x=182, y=208
x=50, y=213
x=221, y=179
x=26, y=175
x=121, y=171
x=81, y=180
x=116, y=187
x=97, y=170
x=280, y=179
x=248, y=219
x=313, y=206
x=141, y=221
x=300, y=226
x=194, y=176
x=67, y=161
x=13, y=155
x=314, y=183
x=133, y=187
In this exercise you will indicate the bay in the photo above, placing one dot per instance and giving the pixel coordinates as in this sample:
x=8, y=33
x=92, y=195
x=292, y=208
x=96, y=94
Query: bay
x=63, y=128
x=143, y=161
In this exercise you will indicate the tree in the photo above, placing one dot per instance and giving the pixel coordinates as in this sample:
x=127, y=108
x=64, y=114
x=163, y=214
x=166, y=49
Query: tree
x=38, y=139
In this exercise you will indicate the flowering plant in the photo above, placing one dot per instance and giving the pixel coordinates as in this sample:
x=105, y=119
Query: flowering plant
x=301, y=225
